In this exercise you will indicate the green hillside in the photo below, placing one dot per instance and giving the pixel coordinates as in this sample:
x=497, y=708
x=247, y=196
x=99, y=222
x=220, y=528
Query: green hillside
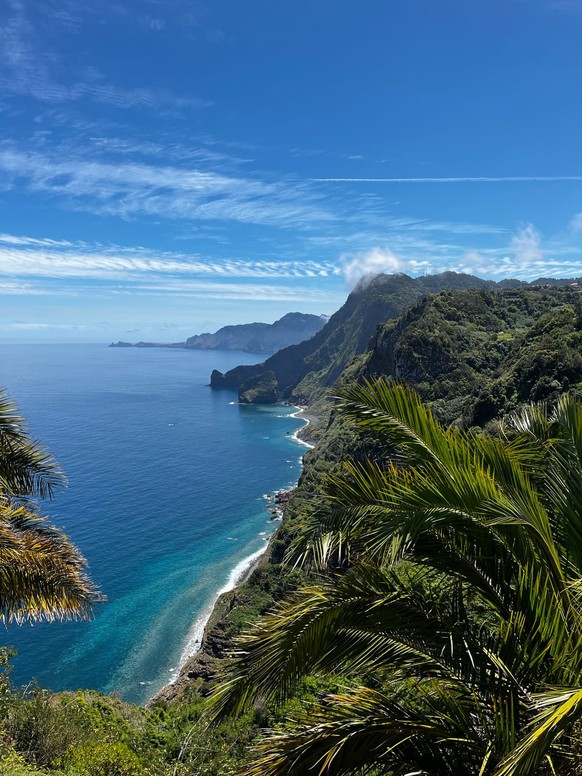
x=477, y=354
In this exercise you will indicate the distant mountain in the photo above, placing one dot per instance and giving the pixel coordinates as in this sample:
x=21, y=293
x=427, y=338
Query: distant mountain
x=303, y=372
x=250, y=337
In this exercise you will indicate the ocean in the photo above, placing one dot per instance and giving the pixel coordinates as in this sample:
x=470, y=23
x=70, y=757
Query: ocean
x=168, y=485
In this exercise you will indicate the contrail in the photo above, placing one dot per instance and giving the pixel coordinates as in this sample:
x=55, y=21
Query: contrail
x=482, y=179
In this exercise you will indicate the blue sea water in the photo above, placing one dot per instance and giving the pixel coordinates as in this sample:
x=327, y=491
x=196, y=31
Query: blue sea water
x=166, y=500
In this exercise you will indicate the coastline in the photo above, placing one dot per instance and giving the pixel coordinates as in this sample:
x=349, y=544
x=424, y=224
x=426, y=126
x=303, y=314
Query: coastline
x=238, y=576
x=302, y=414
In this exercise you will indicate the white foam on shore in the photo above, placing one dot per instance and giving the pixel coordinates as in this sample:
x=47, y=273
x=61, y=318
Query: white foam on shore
x=296, y=434
x=235, y=577
x=196, y=634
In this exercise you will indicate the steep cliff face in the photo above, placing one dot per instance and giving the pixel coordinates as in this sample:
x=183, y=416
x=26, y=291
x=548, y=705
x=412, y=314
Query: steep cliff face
x=306, y=370
x=259, y=389
x=473, y=355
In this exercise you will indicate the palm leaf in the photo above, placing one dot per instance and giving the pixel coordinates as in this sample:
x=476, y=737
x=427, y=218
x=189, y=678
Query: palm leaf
x=364, y=732
x=26, y=469
x=42, y=574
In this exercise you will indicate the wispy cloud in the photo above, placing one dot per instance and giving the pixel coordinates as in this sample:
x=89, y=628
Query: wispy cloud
x=124, y=178
x=132, y=189
x=45, y=242
x=28, y=67
x=464, y=179
x=17, y=288
x=42, y=326
x=236, y=291
x=38, y=266
x=22, y=256
x=525, y=256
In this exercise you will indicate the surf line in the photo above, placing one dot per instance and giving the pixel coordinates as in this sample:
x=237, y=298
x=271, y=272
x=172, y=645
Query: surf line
x=237, y=576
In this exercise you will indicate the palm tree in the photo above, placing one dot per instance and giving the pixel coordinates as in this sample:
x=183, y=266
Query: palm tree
x=42, y=574
x=454, y=587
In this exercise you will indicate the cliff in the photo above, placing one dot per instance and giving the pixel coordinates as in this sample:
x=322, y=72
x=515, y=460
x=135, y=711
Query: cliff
x=453, y=346
x=475, y=355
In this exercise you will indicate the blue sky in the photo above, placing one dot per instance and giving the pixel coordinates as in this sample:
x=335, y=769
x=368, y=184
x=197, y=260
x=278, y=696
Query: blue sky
x=170, y=166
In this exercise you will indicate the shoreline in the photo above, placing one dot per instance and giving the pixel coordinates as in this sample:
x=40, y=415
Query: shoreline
x=301, y=414
x=238, y=576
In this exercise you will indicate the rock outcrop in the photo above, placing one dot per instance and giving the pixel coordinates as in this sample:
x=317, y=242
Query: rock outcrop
x=259, y=389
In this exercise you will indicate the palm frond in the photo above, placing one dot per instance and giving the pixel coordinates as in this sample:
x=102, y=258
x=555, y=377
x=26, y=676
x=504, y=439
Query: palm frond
x=558, y=711
x=42, y=574
x=397, y=412
x=365, y=732
x=26, y=468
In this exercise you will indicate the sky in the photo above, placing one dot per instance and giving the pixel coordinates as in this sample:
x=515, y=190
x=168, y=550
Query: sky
x=171, y=166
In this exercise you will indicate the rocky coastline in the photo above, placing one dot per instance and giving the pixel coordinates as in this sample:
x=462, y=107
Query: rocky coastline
x=203, y=669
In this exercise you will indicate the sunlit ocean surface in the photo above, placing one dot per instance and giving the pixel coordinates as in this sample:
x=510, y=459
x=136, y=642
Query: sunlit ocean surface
x=166, y=500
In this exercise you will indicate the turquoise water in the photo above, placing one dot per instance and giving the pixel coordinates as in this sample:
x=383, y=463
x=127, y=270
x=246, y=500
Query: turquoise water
x=166, y=500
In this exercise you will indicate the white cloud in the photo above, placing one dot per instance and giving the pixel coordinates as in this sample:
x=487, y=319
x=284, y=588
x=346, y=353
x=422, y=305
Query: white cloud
x=28, y=68
x=9, y=288
x=464, y=179
x=576, y=223
x=137, y=189
x=525, y=247
x=12, y=239
x=234, y=291
x=364, y=266
x=22, y=256
x=41, y=326
x=525, y=257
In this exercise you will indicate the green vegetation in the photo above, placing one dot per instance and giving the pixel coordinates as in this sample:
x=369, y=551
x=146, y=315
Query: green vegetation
x=305, y=372
x=88, y=734
x=452, y=601
x=478, y=354
x=260, y=389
